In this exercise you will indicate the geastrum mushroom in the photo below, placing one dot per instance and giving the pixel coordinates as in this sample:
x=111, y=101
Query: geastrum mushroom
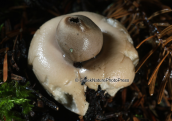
x=103, y=46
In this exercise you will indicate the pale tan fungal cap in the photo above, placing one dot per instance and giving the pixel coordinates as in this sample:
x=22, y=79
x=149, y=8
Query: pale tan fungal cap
x=53, y=62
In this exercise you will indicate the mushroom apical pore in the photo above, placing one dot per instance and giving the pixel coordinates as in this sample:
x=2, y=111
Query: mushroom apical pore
x=78, y=37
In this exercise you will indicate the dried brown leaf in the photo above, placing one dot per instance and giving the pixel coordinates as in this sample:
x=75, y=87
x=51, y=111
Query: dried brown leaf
x=16, y=77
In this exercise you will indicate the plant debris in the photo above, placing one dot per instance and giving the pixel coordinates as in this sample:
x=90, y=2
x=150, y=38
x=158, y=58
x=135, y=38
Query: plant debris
x=148, y=98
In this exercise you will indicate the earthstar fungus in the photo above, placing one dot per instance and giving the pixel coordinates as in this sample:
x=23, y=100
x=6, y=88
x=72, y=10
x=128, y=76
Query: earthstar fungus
x=103, y=46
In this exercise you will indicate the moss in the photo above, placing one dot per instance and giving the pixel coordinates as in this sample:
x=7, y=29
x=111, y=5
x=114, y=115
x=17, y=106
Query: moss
x=13, y=95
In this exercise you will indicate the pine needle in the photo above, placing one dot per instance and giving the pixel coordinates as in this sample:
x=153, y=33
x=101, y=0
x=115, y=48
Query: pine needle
x=169, y=39
x=5, y=68
x=157, y=68
x=164, y=32
x=145, y=58
x=162, y=86
x=144, y=41
x=159, y=12
x=152, y=84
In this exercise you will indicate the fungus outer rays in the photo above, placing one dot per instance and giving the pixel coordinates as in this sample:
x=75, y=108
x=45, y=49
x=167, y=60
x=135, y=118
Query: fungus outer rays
x=78, y=37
